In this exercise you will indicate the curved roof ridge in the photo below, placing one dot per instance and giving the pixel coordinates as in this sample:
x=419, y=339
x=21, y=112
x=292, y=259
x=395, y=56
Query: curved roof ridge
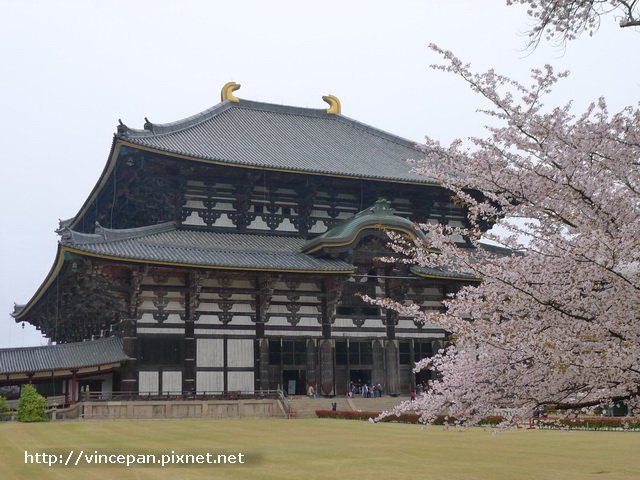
x=159, y=129
x=155, y=129
x=67, y=346
x=379, y=216
x=62, y=356
x=103, y=234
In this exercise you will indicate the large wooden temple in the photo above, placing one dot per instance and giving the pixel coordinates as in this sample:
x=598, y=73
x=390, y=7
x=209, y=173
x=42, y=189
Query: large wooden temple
x=227, y=252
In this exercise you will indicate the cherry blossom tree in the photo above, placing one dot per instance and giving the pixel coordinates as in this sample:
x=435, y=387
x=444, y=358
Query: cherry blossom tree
x=562, y=20
x=556, y=322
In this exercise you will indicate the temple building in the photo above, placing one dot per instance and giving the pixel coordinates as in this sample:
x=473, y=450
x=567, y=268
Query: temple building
x=228, y=252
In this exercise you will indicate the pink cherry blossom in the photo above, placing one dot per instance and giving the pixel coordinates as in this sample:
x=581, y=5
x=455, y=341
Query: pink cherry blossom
x=557, y=322
x=563, y=20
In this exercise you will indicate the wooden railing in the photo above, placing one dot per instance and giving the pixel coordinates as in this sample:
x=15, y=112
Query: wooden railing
x=169, y=395
x=53, y=401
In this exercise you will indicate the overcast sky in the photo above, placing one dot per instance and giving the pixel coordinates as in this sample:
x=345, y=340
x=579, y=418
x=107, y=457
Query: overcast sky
x=70, y=69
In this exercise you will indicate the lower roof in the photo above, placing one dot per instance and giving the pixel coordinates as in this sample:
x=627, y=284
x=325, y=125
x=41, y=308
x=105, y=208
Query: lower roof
x=166, y=244
x=66, y=356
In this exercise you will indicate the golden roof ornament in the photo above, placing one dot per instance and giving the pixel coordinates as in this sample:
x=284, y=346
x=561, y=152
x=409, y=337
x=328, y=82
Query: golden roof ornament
x=227, y=92
x=334, y=104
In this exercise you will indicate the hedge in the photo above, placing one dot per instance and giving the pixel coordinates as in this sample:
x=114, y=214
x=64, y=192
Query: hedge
x=581, y=423
x=402, y=418
x=592, y=423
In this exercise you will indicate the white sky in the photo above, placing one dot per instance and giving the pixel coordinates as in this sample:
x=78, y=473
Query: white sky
x=70, y=69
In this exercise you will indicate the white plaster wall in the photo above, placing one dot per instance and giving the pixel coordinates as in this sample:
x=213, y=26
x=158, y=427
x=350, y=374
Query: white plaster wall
x=148, y=382
x=194, y=202
x=209, y=352
x=286, y=226
x=171, y=382
x=171, y=331
x=209, y=381
x=194, y=219
x=240, y=381
x=282, y=310
x=369, y=323
x=223, y=221
x=258, y=224
x=417, y=334
x=107, y=386
x=223, y=331
x=241, y=320
x=318, y=227
x=282, y=322
x=240, y=353
x=147, y=318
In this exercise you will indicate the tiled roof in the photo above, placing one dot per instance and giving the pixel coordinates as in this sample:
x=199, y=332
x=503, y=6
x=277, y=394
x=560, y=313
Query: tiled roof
x=443, y=273
x=65, y=356
x=379, y=216
x=164, y=243
x=262, y=135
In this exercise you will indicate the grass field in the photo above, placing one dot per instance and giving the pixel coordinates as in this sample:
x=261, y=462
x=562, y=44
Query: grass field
x=320, y=449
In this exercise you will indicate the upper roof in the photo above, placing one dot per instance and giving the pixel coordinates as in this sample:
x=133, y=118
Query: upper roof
x=66, y=356
x=165, y=244
x=267, y=136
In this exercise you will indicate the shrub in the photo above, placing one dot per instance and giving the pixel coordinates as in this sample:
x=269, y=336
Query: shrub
x=402, y=418
x=4, y=409
x=31, y=406
x=592, y=423
x=580, y=423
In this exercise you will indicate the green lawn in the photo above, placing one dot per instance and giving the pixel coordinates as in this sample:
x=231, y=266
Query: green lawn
x=323, y=449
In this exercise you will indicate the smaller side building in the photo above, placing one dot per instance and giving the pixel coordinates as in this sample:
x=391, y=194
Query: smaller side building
x=62, y=372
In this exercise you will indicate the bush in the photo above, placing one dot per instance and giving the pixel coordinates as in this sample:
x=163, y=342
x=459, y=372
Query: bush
x=31, y=406
x=402, y=418
x=580, y=423
x=4, y=409
x=592, y=423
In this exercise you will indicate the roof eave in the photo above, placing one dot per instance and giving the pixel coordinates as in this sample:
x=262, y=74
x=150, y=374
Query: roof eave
x=227, y=163
x=48, y=281
x=79, y=251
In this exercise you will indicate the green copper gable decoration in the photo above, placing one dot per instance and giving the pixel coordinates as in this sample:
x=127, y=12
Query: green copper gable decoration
x=380, y=216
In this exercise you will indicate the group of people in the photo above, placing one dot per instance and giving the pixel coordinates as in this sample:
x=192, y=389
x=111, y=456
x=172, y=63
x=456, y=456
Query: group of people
x=364, y=389
x=421, y=387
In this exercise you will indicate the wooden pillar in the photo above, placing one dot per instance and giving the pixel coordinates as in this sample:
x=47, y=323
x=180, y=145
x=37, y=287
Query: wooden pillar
x=189, y=365
x=262, y=379
x=74, y=386
x=412, y=363
x=326, y=346
x=393, y=289
x=378, y=373
x=312, y=361
x=129, y=377
x=391, y=316
x=191, y=303
x=392, y=364
x=327, y=367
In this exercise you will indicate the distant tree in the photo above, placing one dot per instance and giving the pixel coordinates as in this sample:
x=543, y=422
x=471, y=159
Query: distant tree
x=562, y=20
x=4, y=408
x=558, y=323
x=31, y=406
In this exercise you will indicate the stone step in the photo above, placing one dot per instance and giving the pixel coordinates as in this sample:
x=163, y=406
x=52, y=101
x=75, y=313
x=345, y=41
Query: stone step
x=377, y=404
x=306, y=407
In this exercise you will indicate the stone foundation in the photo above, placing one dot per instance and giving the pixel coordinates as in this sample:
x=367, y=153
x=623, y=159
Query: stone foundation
x=182, y=409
